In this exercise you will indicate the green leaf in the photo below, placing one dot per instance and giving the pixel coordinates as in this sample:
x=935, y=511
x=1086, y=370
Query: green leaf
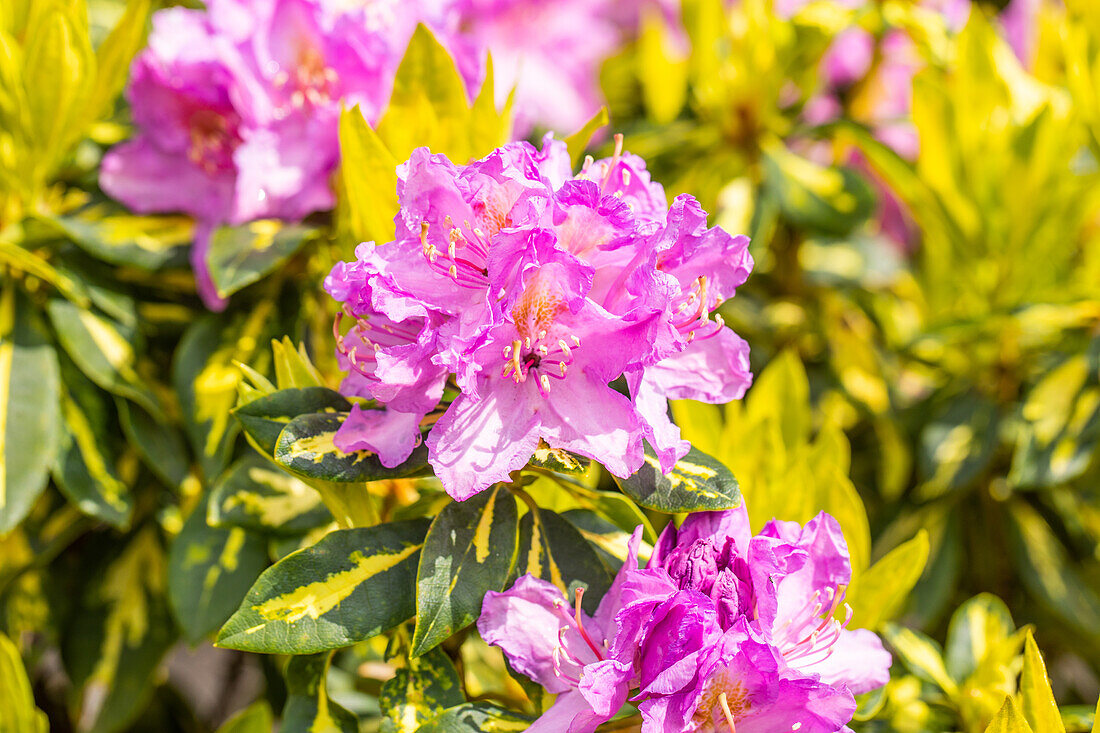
x=263, y=419
x=160, y=445
x=368, y=172
x=1008, y=720
x=1037, y=698
x=209, y=571
x=696, y=483
x=17, y=711
x=351, y=585
x=256, y=718
x=85, y=468
x=1049, y=573
x=116, y=642
x=976, y=628
x=1061, y=424
x=29, y=398
x=883, y=588
x=293, y=369
x=921, y=655
x=308, y=707
x=470, y=549
x=782, y=392
x=477, y=717
x=253, y=494
x=103, y=349
x=109, y=232
x=305, y=448
x=609, y=541
x=958, y=444
x=241, y=255
x=1096, y=719
x=561, y=461
x=827, y=200
x=205, y=375
x=577, y=143
x=421, y=688
x=553, y=549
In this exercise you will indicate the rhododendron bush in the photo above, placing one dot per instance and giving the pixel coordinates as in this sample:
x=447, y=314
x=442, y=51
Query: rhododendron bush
x=499, y=365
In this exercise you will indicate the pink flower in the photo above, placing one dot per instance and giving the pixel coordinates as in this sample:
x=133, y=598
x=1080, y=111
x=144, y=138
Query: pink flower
x=549, y=50
x=533, y=289
x=236, y=109
x=721, y=630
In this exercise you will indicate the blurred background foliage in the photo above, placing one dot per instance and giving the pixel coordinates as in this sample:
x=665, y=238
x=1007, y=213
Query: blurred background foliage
x=925, y=325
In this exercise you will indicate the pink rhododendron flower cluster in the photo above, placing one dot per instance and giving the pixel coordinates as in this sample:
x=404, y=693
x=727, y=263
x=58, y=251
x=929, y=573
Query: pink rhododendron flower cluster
x=527, y=290
x=237, y=106
x=722, y=630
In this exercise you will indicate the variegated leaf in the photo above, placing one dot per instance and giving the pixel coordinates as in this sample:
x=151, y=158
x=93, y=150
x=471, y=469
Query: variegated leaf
x=29, y=420
x=421, y=688
x=256, y=495
x=553, y=549
x=470, y=549
x=305, y=447
x=350, y=586
x=696, y=483
x=209, y=571
x=264, y=418
x=308, y=706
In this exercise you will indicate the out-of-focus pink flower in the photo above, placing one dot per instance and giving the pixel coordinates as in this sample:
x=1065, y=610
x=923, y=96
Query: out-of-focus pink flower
x=549, y=50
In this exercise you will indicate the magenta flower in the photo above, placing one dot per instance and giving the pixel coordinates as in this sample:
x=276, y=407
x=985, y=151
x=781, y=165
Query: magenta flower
x=532, y=289
x=722, y=629
x=236, y=109
x=562, y=648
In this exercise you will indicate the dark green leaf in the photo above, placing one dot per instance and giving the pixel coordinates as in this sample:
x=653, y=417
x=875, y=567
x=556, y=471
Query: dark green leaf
x=826, y=200
x=559, y=460
x=209, y=571
x=305, y=447
x=475, y=717
x=29, y=397
x=696, y=483
x=351, y=585
x=256, y=495
x=116, y=641
x=958, y=444
x=205, y=375
x=85, y=466
x=470, y=549
x=263, y=419
x=420, y=689
x=103, y=349
x=552, y=549
x=110, y=233
x=241, y=255
x=160, y=445
x=308, y=707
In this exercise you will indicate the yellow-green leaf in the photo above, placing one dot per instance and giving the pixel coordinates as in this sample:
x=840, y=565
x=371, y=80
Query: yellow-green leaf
x=114, y=54
x=17, y=711
x=1036, y=697
x=1008, y=720
x=921, y=655
x=881, y=590
x=256, y=718
x=368, y=171
x=578, y=141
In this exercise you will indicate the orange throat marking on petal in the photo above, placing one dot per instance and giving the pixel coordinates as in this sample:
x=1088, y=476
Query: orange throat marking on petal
x=722, y=699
